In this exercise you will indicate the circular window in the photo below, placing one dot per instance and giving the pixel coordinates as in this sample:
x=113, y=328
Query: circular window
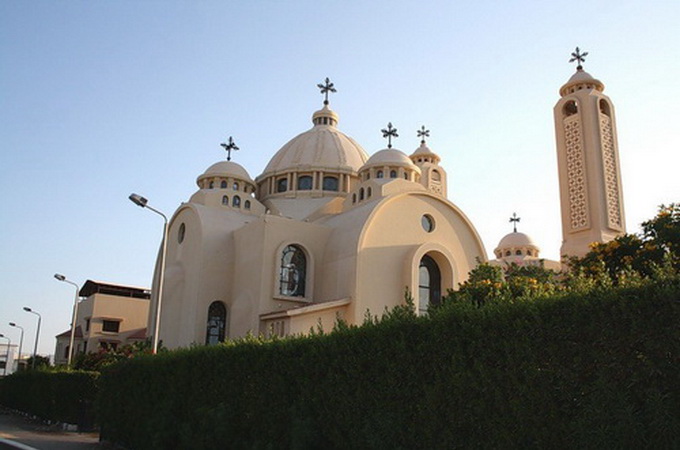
x=181, y=232
x=427, y=222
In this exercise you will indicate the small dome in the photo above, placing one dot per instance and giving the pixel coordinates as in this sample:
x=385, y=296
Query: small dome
x=225, y=169
x=515, y=241
x=581, y=77
x=424, y=152
x=389, y=157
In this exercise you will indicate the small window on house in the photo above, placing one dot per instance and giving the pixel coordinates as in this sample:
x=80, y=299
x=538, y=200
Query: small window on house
x=379, y=174
x=225, y=200
x=223, y=184
x=305, y=183
x=393, y=174
x=330, y=184
x=293, y=271
x=282, y=185
x=181, y=232
x=236, y=201
x=246, y=205
x=111, y=326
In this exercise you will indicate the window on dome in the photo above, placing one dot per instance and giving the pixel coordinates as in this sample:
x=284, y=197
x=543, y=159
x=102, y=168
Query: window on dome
x=236, y=201
x=235, y=186
x=293, y=272
x=361, y=194
x=393, y=174
x=217, y=323
x=330, y=184
x=379, y=174
x=508, y=253
x=369, y=191
x=518, y=252
x=223, y=184
x=354, y=198
x=405, y=176
x=282, y=185
x=529, y=253
x=305, y=183
x=211, y=185
x=246, y=205
x=180, y=233
x=225, y=200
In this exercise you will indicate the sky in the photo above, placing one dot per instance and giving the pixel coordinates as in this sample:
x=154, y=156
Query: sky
x=102, y=99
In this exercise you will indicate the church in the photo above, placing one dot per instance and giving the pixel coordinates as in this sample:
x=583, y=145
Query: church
x=329, y=232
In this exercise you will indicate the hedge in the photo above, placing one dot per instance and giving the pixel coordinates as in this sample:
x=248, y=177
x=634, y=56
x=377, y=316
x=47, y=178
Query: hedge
x=576, y=371
x=67, y=397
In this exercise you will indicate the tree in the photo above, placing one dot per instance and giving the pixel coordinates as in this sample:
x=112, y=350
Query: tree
x=41, y=362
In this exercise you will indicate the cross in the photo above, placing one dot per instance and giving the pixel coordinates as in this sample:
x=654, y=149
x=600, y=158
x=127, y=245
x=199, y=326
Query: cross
x=229, y=147
x=326, y=88
x=389, y=133
x=423, y=133
x=514, y=219
x=578, y=56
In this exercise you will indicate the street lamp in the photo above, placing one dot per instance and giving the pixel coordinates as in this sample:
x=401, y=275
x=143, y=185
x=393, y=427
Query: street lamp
x=61, y=277
x=37, y=334
x=9, y=342
x=21, y=341
x=142, y=202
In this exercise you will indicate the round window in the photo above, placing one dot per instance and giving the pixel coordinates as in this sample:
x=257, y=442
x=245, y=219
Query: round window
x=181, y=232
x=427, y=222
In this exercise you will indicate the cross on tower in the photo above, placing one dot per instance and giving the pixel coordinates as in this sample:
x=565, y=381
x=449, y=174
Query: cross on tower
x=229, y=147
x=579, y=57
x=515, y=220
x=326, y=88
x=389, y=133
x=423, y=133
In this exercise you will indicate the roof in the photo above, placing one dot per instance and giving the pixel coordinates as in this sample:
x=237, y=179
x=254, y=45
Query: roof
x=67, y=333
x=226, y=169
x=101, y=287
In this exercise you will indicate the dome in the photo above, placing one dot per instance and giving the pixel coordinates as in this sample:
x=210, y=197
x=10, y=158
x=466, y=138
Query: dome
x=322, y=147
x=581, y=77
x=389, y=157
x=517, y=241
x=226, y=169
x=424, y=152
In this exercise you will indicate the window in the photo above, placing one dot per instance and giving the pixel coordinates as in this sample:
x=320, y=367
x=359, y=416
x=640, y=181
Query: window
x=427, y=222
x=246, y=205
x=111, y=326
x=293, y=271
x=354, y=198
x=211, y=185
x=405, y=176
x=87, y=324
x=369, y=191
x=223, y=184
x=66, y=351
x=181, y=232
x=604, y=107
x=305, y=183
x=393, y=174
x=518, y=252
x=379, y=174
x=330, y=184
x=235, y=186
x=225, y=200
x=436, y=176
x=361, y=194
x=570, y=108
x=507, y=253
x=217, y=323
x=108, y=345
x=282, y=185
x=429, y=284
x=236, y=201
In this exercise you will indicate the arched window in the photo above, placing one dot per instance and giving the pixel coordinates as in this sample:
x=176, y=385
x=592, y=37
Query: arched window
x=405, y=176
x=436, y=176
x=379, y=174
x=369, y=191
x=246, y=205
x=429, y=284
x=330, y=184
x=354, y=198
x=223, y=184
x=211, y=185
x=282, y=185
x=236, y=201
x=305, y=183
x=604, y=108
x=570, y=108
x=361, y=194
x=181, y=232
x=293, y=272
x=518, y=252
x=235, y=186
x=393, y=174
x=507, y=253
x=225, y=200
x=217, y=323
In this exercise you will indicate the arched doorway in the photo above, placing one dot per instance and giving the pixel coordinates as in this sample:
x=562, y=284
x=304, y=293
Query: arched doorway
x=429, y=284
x=217, y=323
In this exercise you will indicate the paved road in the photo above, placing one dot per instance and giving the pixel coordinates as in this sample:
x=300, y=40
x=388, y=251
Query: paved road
x=34, y=434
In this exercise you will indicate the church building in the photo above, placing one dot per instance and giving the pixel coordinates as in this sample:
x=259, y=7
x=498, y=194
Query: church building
x=326, y=232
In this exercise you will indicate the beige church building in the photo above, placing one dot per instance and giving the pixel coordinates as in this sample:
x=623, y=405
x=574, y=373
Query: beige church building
x=329, y=232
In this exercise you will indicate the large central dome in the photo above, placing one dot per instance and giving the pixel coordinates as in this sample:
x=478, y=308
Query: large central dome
x=323, y=147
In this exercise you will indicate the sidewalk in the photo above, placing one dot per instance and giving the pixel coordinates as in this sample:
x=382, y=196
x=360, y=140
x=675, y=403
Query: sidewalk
x=16, y=428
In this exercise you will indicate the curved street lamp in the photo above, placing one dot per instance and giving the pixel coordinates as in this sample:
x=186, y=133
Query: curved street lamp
x=37, y=334
x=142, y=202
x=21, y=341
x=61, y=277
x=9, y=342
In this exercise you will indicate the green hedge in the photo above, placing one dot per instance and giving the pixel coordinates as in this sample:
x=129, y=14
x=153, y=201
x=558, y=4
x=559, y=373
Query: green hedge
x=57, y=396
x=589, y=371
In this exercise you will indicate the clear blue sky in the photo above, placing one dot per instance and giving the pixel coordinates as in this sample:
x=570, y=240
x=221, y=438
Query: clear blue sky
x=101, y=99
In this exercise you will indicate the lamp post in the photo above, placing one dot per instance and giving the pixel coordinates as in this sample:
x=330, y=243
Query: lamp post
x=9, y=342
x=61, y=277
x=37, y=334
x=21, y=341
x=142, y=202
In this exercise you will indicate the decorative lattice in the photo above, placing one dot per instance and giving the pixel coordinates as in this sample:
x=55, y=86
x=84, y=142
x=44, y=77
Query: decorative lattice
x=611, y=174
x=436, y=188
x=576, y=174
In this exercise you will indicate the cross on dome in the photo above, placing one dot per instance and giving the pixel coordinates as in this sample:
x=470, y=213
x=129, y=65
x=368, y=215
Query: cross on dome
x=423, y=133
x=229, y=147
x=579, y=57
x=326, y=88
x=389, y=133
x=514, y=219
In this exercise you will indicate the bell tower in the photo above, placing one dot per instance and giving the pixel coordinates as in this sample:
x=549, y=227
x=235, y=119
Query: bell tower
x=588, y=163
